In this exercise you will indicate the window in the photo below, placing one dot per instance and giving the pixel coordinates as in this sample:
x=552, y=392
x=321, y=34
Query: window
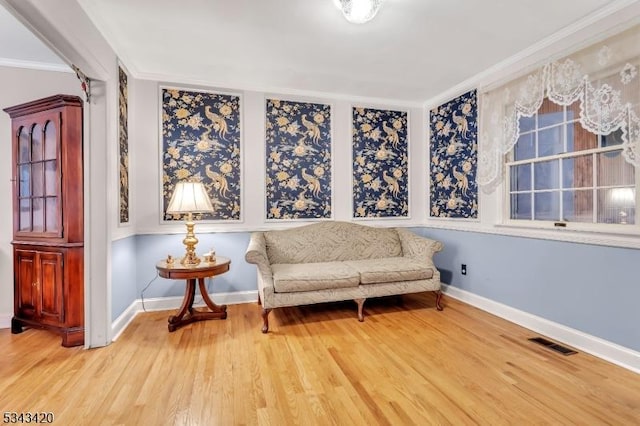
x=560, y=172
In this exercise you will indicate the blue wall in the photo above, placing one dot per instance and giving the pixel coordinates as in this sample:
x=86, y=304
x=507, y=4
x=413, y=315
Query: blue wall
x=590, y=288
x=594, y=289
x=153, y=248
x=123, y=275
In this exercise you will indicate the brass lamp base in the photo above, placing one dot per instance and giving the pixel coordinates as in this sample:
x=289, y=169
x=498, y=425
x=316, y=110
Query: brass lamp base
x=190, y=241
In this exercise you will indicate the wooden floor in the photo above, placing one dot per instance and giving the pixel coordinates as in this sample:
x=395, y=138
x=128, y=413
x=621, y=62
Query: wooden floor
x=406, y=364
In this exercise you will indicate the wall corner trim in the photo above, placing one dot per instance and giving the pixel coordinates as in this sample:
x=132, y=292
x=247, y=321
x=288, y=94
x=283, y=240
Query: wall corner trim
x=608, y=351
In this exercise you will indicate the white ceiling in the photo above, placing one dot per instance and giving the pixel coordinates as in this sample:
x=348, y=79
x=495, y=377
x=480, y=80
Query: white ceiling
x=19, y=47
x=412, y=51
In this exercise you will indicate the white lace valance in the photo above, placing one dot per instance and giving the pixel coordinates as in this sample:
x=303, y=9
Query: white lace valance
x=602, y=78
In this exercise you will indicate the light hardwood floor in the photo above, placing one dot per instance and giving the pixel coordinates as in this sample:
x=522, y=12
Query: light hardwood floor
x=406, y=364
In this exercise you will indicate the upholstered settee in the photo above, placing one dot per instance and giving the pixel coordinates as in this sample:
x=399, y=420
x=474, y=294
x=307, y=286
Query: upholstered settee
x=335, y=261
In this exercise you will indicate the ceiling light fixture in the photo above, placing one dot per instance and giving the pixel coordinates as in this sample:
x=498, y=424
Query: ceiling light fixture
x=358, y=11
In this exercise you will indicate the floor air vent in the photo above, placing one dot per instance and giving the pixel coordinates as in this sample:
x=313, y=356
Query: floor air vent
x=553, y=346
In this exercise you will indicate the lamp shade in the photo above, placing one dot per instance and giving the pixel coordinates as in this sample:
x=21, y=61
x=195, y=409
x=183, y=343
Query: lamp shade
x=189, y=197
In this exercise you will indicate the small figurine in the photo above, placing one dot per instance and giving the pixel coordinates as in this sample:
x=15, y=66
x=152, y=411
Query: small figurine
x=169, y=260
x=209, y=257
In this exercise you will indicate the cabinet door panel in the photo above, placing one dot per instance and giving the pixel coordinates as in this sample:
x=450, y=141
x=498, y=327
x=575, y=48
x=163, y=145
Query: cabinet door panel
x=25, y=280
x=51, y=287
x=38, y=165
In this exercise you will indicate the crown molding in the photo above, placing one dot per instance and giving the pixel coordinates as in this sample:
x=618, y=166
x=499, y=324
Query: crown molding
x=34, y=65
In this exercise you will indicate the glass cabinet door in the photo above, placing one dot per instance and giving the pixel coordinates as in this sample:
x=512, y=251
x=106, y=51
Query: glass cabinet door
x=38, y=179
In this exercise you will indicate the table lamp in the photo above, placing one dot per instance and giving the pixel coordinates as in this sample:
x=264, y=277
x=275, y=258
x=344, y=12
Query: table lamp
x=189, y=198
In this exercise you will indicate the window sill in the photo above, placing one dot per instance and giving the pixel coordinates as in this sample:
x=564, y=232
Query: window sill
x=615, y=235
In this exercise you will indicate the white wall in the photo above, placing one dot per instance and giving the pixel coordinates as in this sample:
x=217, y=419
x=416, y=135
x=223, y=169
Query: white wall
x=147, y=163
x=19, y=85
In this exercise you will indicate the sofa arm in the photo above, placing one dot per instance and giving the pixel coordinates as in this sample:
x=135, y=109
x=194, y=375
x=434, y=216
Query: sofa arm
x=417, y=247
x=257, y=253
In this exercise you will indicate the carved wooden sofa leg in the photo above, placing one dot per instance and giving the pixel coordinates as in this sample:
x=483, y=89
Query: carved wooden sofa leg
x=265, y=320
x=438, y=300
x=360, y=303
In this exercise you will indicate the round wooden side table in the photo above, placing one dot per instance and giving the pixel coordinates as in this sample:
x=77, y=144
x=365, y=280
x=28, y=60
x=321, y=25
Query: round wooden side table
x=192, y=273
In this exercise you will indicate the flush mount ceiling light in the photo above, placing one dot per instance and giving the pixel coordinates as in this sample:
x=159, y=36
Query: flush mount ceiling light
x=358, y=11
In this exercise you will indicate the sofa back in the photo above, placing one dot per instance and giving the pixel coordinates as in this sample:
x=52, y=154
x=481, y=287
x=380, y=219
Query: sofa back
x=331, y=241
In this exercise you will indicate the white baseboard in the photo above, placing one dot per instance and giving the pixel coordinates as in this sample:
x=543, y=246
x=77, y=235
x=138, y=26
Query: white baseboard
x=612, y=352
x=5, y=320
x=125, y=318
x=166, y=303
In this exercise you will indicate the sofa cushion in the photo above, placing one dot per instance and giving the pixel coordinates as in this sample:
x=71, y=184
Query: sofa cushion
x=390, y=269
x=313, y=276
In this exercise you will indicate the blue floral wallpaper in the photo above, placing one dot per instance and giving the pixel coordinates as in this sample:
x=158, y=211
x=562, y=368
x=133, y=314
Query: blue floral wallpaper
x=298, y=153
x=201, y=141
x=380, y=163
x=123, y=149
x=454, y=158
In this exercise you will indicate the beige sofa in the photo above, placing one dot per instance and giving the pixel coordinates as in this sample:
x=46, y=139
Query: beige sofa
x=334, y=261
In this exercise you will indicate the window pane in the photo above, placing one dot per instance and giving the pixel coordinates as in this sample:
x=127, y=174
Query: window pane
x=51, y=177
x=525, y=147
x=550, y=141
x=577, y=206
x=613, y=170
x=50, y=141
x=573, y=111
x=24, y=181
x=527, y=124
x=577, y=172
x=52, y=214
x=521, y=206
x=616, y=205
x=23, y=146
x=612, y=139
x=37, y=179
x=547, y=205
x=521, y=177
x=38, y=215
x=549, y=114
x=546, y=175
x=580, y=139
x=25, y=215
x=36, y=143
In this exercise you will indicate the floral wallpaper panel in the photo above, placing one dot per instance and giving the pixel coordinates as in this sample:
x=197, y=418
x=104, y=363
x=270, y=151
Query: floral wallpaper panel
x=454, y=158
x=123, y=150
x=298, y=160
x=380, y=163
x=201, y=142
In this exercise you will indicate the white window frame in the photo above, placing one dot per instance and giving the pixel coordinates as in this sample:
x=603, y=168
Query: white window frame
x=560, y=225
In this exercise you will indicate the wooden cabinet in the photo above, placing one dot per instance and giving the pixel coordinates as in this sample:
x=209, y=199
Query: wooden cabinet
x=39, y=277
x=48, y=220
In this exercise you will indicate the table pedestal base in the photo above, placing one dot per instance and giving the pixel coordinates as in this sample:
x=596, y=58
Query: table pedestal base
x=189, y=314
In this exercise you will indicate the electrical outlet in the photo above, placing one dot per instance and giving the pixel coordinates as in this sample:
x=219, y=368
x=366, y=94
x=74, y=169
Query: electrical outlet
x=463, y=269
